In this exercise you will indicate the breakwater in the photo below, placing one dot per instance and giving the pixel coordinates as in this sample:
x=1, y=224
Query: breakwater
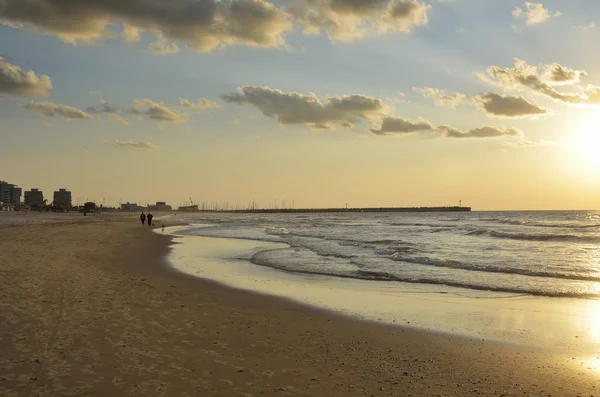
x=319, y=210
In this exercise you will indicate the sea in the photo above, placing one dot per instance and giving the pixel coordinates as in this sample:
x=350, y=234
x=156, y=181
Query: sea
x=538, y=253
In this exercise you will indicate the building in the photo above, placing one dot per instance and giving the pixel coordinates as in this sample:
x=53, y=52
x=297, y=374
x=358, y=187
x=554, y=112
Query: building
x=62, y=199
x=189, y=208
x=34, y=198
x=160, y=206
x=10, y=194
x=131, y=207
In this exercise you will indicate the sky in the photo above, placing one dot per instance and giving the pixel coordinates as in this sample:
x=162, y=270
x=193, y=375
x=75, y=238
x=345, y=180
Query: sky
x=304, y=103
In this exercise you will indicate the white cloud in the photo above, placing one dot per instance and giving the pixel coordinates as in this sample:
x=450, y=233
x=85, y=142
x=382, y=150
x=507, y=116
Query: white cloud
x=201, y=104
x=155, y=111
x=523, y=75
x=15, y=81
x=51, y=109
x=117, y=118
x=131, y=34
x=307, y=109
x=442, y=97
x=534, y=13
x=141, y=146
x=589, y=26
x=349, y=19
x=164, y=47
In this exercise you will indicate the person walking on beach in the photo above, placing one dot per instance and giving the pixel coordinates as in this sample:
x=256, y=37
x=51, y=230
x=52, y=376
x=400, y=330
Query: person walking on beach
x=150, y=219
x=143, y=218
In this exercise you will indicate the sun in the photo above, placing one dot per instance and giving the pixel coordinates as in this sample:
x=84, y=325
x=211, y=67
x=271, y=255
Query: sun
x=587, y=141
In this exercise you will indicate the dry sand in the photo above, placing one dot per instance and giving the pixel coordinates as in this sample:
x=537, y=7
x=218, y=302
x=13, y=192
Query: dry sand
x=88, y=307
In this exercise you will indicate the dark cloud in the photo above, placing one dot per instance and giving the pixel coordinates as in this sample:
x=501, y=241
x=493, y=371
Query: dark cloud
x=142, y=146
x=478, y=132
x=398, y=125
x=508, y=106
x=15, y=81
x=105, y=107
x=201, y=24
x=295, y=108
x=155, y=111
x=51, y=109
x=563, y=75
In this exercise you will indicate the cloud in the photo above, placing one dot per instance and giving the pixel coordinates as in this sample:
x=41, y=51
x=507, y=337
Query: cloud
x=15, y=81
x=534, y=13
x=164, y=47
x=117, y=118
x=442, y=97
x=559, y=74
x=398, y=125
x=392, y=125
x=201, y=104
x=104, y=108
x=527, y=76
x=51, y=109
x=349, y=19
x=589, y=26
x=155, y=111
x=15, y=25
x=201, y=24
x=296, y=108
x=508, y=106
x=478, y=132
x=141, y=146
x=131, y=34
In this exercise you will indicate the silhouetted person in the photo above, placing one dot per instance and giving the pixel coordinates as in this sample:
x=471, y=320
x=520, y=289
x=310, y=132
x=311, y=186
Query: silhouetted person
x=149, y=219
x=143, y=218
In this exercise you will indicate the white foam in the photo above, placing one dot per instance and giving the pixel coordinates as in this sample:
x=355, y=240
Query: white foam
x=567, y=325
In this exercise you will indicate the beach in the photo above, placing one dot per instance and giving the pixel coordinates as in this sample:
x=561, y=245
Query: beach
x=89, y=306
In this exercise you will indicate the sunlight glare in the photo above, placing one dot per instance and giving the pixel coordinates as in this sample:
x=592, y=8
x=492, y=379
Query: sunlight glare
x=587, y=141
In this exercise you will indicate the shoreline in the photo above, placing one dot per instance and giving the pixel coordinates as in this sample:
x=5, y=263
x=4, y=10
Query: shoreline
x=563, y=325
x=92, y=307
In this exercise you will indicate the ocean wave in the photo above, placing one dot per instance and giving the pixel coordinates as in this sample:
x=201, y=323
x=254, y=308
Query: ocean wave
x=386, y=276
x=368, y=275
x=409, y=224
x=276, y=231
x=534, y=236
x=516, y=222
x=494, y=269
x=544, y=237
x=477, y=232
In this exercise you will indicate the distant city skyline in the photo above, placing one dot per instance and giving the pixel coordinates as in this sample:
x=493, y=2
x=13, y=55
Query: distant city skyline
x=316, y=102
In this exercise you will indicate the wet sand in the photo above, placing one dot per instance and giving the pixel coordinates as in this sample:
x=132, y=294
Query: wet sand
x=89, y=307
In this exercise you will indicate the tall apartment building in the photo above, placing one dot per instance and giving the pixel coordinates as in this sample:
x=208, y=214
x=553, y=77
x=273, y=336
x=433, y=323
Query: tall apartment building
x=9, y=193
x=34, y=198
x=62, y=198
